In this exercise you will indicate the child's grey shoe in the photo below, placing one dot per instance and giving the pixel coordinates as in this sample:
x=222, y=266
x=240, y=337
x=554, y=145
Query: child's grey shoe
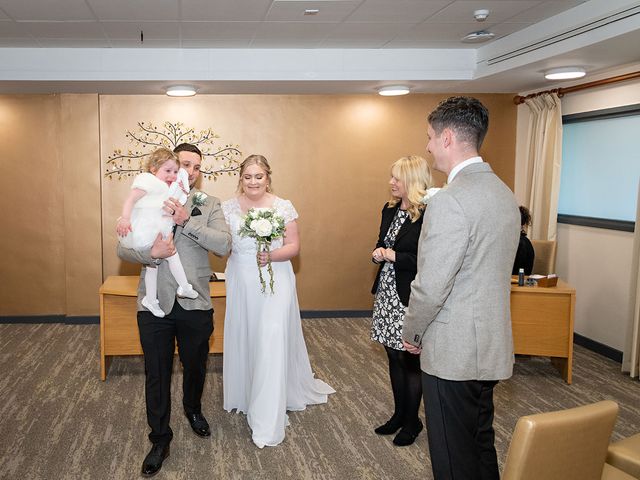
x=187, y=292
x=153, y=306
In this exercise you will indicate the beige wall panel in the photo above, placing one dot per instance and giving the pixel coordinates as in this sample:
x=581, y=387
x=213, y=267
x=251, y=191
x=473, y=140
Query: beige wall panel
x=32, y=242
x=79, y=146
x=330, y=156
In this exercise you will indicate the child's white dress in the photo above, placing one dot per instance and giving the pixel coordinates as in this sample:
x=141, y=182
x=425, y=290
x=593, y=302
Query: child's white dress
x=147, y=217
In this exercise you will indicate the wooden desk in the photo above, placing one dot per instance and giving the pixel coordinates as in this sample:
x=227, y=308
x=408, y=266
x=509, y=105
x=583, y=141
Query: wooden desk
x=119, y=326
x=542, y=322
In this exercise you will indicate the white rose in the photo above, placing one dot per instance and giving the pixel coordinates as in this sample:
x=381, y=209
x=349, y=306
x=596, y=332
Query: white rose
x=262, y=227
x=430, y=193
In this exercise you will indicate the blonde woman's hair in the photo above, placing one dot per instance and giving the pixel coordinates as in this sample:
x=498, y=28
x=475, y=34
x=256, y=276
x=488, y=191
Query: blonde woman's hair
x=414, y=172
x=159, y=157
x=255, y=160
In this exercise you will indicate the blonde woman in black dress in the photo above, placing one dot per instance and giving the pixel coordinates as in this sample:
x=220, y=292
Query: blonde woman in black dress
x=396, y=252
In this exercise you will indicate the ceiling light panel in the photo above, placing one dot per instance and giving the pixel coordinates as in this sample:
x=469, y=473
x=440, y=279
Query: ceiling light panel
x=293, y=11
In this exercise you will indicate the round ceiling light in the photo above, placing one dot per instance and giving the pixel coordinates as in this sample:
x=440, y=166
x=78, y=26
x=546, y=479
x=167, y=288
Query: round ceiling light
x=478, y=37
x=181, y=91
x=565, y=73
x=393, y=90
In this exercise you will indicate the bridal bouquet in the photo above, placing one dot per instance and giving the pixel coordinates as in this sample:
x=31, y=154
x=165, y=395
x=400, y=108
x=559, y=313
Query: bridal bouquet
x=263, y=225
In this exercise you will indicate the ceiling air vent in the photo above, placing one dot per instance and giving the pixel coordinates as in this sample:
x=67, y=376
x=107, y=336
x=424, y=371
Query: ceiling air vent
x=560, y=37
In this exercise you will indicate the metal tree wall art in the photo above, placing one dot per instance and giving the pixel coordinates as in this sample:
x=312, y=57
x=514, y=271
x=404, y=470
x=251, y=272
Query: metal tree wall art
x=216, y=160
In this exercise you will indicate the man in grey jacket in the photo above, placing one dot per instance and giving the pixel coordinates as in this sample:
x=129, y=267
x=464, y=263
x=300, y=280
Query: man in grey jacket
x=200, y=229
x=458, y=318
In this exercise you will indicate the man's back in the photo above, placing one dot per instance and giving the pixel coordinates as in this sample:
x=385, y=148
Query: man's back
x=470, y=337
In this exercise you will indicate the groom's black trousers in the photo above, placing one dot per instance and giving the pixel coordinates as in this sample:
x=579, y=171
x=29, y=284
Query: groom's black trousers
x=459, y=418
x=192, y=330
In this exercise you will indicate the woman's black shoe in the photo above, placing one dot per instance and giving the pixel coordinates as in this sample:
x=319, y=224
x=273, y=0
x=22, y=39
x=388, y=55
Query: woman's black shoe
x=390, y=427
x=407, y=436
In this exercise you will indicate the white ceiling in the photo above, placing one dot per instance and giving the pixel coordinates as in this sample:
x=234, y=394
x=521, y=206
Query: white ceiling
x=262, y=23
x=363, y=33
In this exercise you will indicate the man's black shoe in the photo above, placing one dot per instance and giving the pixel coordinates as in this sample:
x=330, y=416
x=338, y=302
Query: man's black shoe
x=153, y=461
x=199, y=424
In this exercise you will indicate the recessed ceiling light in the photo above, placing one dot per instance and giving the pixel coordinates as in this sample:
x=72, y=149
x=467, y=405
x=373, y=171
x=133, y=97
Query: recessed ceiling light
x=393, y=90
x=311, y=11
x=478, y=37
x=564, y=73
x=181, y=91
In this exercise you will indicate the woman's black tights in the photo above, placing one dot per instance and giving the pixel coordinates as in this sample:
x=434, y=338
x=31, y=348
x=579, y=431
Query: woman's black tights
x=406, y=383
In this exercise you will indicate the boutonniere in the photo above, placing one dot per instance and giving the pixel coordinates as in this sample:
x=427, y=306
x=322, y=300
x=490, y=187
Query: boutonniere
x=199, y=199
x=430, y=194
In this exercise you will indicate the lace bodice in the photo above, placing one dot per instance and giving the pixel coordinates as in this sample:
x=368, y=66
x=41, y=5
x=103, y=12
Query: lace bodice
x=233, y=216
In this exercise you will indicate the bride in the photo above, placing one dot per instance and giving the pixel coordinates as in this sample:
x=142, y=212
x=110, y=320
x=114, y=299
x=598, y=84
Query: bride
x=266, y=369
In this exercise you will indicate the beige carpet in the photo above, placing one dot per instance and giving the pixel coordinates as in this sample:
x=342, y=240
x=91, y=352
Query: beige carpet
x=58, y=420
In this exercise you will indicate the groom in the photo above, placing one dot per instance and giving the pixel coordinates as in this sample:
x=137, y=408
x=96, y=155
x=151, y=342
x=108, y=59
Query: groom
x=459, y=314
x=200, y=229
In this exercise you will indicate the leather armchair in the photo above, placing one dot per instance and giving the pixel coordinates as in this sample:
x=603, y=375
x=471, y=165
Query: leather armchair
x=625, y=455
x=544, y=261
x=565, y=445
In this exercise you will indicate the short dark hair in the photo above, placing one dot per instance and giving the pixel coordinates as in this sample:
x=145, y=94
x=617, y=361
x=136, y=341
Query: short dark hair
x=466, y=116
x=187, y=147
x=525, y=216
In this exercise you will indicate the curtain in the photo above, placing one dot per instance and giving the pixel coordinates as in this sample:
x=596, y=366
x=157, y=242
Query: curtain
x=544, y=158
x=631, y=354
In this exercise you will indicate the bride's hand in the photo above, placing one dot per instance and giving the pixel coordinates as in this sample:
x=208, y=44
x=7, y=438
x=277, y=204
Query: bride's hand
x=263, y=258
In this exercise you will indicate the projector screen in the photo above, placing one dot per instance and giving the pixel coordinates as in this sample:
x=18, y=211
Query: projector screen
x=600, y=167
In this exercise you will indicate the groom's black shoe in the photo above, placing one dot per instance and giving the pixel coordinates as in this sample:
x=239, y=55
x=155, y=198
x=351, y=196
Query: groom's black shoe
x=153, y=461
x=199, y=424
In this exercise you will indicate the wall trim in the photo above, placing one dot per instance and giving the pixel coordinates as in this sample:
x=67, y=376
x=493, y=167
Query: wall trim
x=597, y=347
x=606, y=223
x=64, y=319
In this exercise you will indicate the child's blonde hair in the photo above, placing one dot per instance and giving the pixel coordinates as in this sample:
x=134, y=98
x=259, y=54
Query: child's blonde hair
x=159, y=157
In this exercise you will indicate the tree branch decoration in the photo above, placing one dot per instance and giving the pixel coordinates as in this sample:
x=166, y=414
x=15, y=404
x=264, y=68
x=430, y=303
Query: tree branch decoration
x=217, y=160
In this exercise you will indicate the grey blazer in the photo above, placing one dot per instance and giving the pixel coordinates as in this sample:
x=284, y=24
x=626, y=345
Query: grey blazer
x=205, y=232
x=459, y=308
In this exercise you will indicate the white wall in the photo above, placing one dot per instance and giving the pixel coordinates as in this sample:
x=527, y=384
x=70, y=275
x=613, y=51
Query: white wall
x=597, y=262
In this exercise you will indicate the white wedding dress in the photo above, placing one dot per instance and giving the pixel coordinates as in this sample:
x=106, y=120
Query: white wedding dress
x=266, y=369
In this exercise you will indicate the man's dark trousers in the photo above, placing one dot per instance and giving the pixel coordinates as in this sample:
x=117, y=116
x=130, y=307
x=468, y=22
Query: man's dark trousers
x=459, y=418
x=191, y=329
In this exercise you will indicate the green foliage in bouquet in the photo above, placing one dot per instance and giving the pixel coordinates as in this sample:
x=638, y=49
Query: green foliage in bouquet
x=264, y=225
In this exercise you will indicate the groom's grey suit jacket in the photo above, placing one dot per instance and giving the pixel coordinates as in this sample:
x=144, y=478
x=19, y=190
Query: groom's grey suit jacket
x=459, y=308
x=203, y=233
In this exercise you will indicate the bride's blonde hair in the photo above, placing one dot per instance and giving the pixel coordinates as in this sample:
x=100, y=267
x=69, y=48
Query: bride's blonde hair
x=414, y=172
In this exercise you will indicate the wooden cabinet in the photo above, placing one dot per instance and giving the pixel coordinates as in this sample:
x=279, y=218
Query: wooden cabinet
x=542, y=322
x=119, y=325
